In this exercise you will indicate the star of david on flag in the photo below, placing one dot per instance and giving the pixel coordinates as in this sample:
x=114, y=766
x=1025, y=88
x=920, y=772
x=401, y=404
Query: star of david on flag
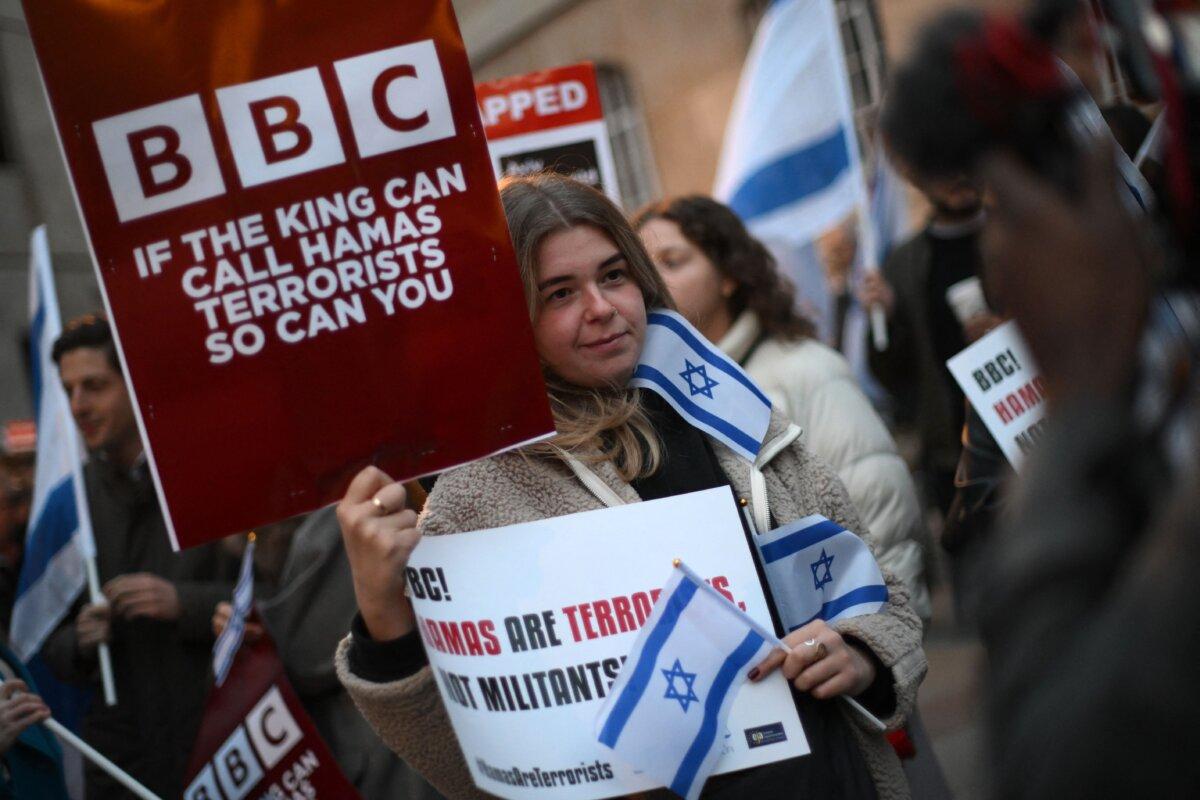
x=708, y=389
x=799, y=560
x=692, y=625
x=688, y=679
x=822, y=574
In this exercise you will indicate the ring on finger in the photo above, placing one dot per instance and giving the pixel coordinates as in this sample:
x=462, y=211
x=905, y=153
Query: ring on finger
x=822, y=651
x=383, y=510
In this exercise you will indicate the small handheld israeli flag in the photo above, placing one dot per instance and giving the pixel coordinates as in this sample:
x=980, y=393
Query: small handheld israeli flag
x=667, y=709
x=819, y=570
x=708, y=389
x=227, y=644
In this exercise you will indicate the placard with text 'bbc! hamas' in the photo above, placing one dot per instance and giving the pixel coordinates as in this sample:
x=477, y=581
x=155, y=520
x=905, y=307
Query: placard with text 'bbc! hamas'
x=295, y=223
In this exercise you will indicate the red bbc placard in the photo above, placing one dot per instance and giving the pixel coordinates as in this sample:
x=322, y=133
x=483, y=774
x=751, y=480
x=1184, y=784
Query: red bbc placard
x=295, y=222
x=257, y=741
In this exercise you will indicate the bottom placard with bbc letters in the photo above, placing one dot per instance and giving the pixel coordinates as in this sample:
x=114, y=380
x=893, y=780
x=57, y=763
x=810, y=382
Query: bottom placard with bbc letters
x=256, y=741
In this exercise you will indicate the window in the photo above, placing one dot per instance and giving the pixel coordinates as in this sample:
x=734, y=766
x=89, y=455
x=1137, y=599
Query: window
x=636, y=174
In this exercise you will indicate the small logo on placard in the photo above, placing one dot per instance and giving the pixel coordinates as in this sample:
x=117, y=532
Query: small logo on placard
x=765, y=734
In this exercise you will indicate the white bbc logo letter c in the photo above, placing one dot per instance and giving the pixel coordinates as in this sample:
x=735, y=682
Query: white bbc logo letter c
x=272, y=728
x=396, y=98
x=158, y=158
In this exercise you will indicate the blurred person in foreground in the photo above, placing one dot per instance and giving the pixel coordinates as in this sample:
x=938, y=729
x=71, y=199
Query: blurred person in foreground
x=724, y=281
x=158, y=603
x=1092, y=620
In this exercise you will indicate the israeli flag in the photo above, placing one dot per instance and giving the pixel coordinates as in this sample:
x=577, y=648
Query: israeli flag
x=819, y=570
x=790, y=165
x=707, y=388
x=59, y=539
x=227, y=644
x=666, y=712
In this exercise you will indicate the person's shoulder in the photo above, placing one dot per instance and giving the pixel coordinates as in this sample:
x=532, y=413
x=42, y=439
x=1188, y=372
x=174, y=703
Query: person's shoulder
x=490, y=492
x=805, y=362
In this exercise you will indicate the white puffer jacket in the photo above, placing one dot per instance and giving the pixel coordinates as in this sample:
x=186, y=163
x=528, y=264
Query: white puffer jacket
x=814, y=386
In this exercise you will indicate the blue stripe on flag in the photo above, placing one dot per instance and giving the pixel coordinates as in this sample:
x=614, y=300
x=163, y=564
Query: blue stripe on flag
x=793, y=177
x=639, y=679
x=743, y=439
x=863, y=594
x=37, y=328
x=794, y=543
x=703, y=742
x=54, y=527
x=706, y=351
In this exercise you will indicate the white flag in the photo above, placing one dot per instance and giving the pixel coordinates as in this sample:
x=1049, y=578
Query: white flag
x=226, y=647
x=819, y=570
x=708, y=389
x=59, y=538
x=666, y=712
x=790, y=165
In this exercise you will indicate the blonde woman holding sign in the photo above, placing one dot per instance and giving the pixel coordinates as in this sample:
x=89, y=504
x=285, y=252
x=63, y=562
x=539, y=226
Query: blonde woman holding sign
x=589, y=284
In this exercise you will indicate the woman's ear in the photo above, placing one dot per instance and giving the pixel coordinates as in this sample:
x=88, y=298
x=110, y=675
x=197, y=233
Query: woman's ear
x=728, y=287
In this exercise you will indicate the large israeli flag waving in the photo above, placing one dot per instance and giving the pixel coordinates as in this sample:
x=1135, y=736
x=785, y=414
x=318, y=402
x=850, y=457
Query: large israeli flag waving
x=790, y=165
x=666, y=712
x=708, y=389
x=59, y=538
x=817, y=569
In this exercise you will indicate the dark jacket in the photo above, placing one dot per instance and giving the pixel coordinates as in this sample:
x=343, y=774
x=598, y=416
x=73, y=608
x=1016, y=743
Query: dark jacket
x=909, y=367
x=33, y=765
x=160, y=668
x=1092, y=619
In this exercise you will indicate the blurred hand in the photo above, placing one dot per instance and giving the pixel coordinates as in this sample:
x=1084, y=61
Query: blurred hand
x=874, y=290
x=1074, y=273
x=93, y=627
x=143, y=594
x=18, y=710
x=979, y=326
x=252, y=632
x=826, y=668
x=380, y=535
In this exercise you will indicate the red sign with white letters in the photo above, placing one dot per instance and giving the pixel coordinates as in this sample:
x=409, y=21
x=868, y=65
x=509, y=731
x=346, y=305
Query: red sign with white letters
x=295, y=223
x=256, y=741
x=550, y=98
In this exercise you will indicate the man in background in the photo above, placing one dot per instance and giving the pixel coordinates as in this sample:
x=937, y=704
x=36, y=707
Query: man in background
x=158, y=603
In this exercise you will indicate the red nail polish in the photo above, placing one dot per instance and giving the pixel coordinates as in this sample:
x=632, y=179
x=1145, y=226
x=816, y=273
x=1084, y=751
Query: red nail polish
x=753, y=674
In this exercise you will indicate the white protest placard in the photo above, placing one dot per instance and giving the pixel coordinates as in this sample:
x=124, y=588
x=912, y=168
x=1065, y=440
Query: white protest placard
x=527, y=626
x=1002, y=383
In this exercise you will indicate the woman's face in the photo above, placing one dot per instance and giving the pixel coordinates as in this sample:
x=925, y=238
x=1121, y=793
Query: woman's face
x=700, y=291
x=590, y=319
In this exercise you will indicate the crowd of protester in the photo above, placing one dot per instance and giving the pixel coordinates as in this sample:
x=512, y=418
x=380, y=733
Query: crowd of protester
x=1078, y=571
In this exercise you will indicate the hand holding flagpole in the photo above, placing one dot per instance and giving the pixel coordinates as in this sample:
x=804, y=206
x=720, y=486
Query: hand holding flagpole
x=98, y=758
x=770, y=637
x=102, y=649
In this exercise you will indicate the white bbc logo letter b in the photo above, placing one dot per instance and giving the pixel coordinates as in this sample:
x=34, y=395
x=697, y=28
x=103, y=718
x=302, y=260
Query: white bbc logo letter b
x=158, y=158
x=280, y=126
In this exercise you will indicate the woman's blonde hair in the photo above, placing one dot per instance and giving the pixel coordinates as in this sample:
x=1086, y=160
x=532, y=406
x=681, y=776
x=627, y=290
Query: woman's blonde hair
x=593, y=425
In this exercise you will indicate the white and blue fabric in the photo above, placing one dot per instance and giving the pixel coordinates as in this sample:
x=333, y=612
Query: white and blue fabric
x=666, y=712
x=790, y=165
x=817, y=569
x=227, y=644
x=708, y=389
x=59, y=537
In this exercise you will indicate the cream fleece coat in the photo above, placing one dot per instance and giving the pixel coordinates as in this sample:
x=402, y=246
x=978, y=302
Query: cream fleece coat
x=815, y=387
x=512, y=488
